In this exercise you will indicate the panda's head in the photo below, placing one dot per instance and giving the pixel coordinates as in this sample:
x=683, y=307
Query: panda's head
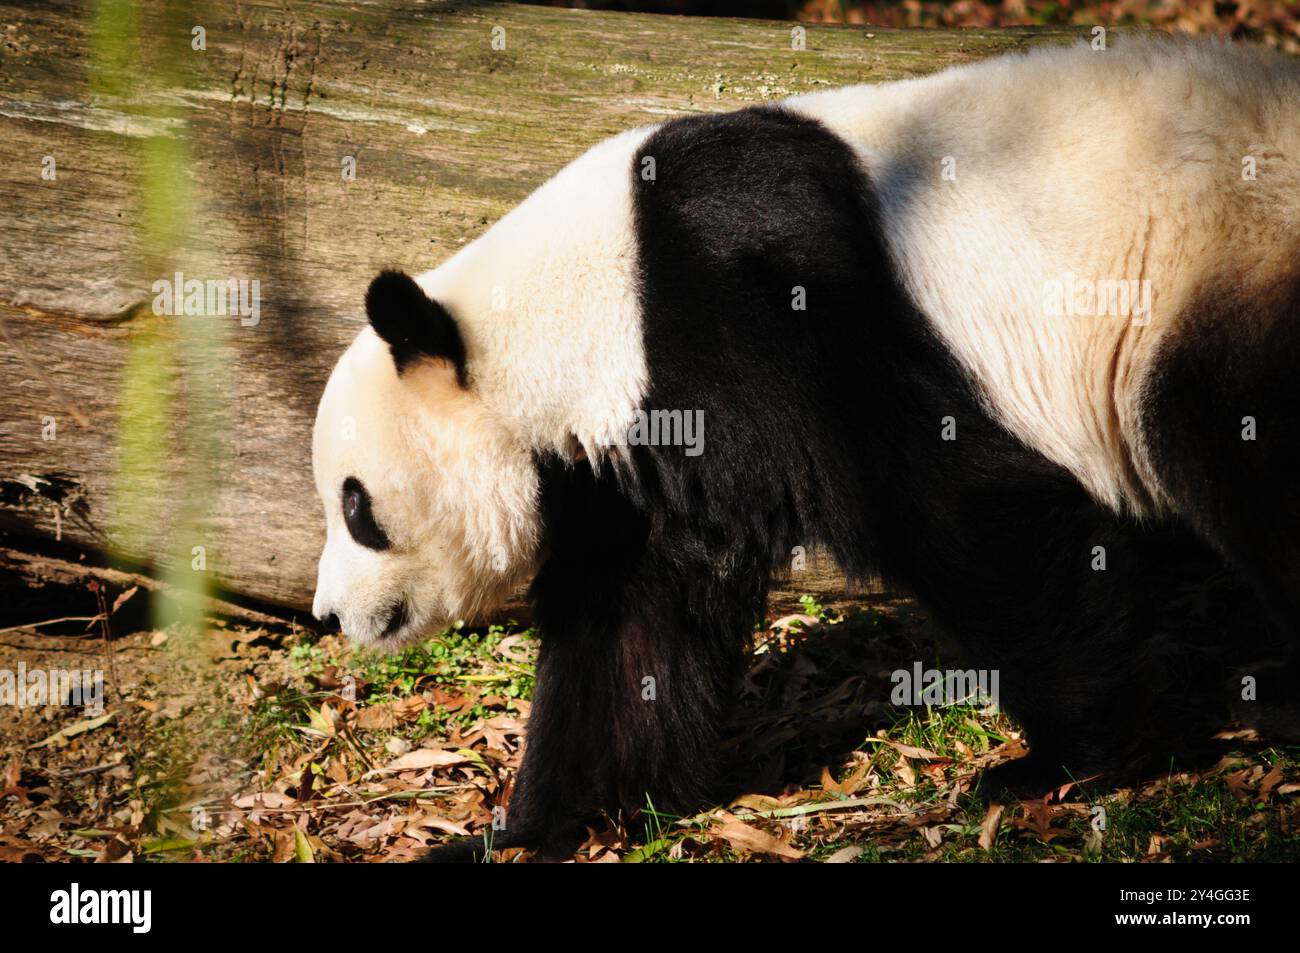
x=430, y=500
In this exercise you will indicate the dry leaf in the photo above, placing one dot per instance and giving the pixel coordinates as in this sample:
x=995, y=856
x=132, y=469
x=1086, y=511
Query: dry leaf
x=746, y=838
x=419, y=759
x=1270, y=781
x=906, y=775
x=436, y=823
x=844, y=855
x=1038, y=819
x=264, y=799
x=118, y=602
x=804, y=622
x=389, y=715
x=989, y=828
x=12, y=783
x=72, y=731
x=910, y=751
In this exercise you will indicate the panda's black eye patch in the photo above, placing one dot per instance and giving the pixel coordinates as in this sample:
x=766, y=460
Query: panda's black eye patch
x=360, y=520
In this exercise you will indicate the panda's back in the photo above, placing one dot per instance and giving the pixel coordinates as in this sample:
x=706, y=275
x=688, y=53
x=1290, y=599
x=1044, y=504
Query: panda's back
x=1010, y=187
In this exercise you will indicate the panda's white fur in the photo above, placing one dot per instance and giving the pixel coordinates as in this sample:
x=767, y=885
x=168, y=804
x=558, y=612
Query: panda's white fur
x=546, y=302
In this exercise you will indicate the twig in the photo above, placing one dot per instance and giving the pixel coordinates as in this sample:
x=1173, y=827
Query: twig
x=80, y=771
x=98, y=589
x=71, y=648
x=70, y=618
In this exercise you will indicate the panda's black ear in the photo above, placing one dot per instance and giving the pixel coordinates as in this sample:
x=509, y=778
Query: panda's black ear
x=413, y=324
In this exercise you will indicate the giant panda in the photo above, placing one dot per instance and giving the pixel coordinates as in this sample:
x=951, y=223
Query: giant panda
x=883, y=305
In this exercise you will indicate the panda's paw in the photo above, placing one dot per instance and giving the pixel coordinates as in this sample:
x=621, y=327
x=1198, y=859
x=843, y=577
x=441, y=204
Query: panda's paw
x=1024, y=778
x=1273, y=705
x=463, y=850
x=482, y=850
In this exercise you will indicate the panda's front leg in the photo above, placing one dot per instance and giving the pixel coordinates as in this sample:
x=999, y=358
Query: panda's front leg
x=638, y=665
x=631, y=692
x=563, y=780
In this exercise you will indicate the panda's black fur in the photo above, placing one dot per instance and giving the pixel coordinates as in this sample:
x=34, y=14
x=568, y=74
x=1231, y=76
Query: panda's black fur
x=823, y=427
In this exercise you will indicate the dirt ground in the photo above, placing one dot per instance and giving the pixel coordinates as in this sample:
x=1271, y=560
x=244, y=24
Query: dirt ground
x=231, y=742
x=172, y=744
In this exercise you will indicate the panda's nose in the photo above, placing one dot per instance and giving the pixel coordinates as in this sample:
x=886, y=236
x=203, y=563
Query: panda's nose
x=330, y=623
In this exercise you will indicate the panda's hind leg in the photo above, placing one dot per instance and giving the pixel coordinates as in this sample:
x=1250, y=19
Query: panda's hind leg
x=1221, y=425
x=1128, y=682
x=1076, y=609
x=1122, y=688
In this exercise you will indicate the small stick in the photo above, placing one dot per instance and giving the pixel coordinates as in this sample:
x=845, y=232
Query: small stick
x=104, y=628
x=34, y=625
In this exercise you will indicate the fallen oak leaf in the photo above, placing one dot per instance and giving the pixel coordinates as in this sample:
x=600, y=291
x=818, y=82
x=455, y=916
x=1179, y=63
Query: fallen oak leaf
x=13, y=851
x=1239, y=784
x=1270, y=781
x=12, y=783
x=452, y=703
x=1038, y=820
x=388, y=715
